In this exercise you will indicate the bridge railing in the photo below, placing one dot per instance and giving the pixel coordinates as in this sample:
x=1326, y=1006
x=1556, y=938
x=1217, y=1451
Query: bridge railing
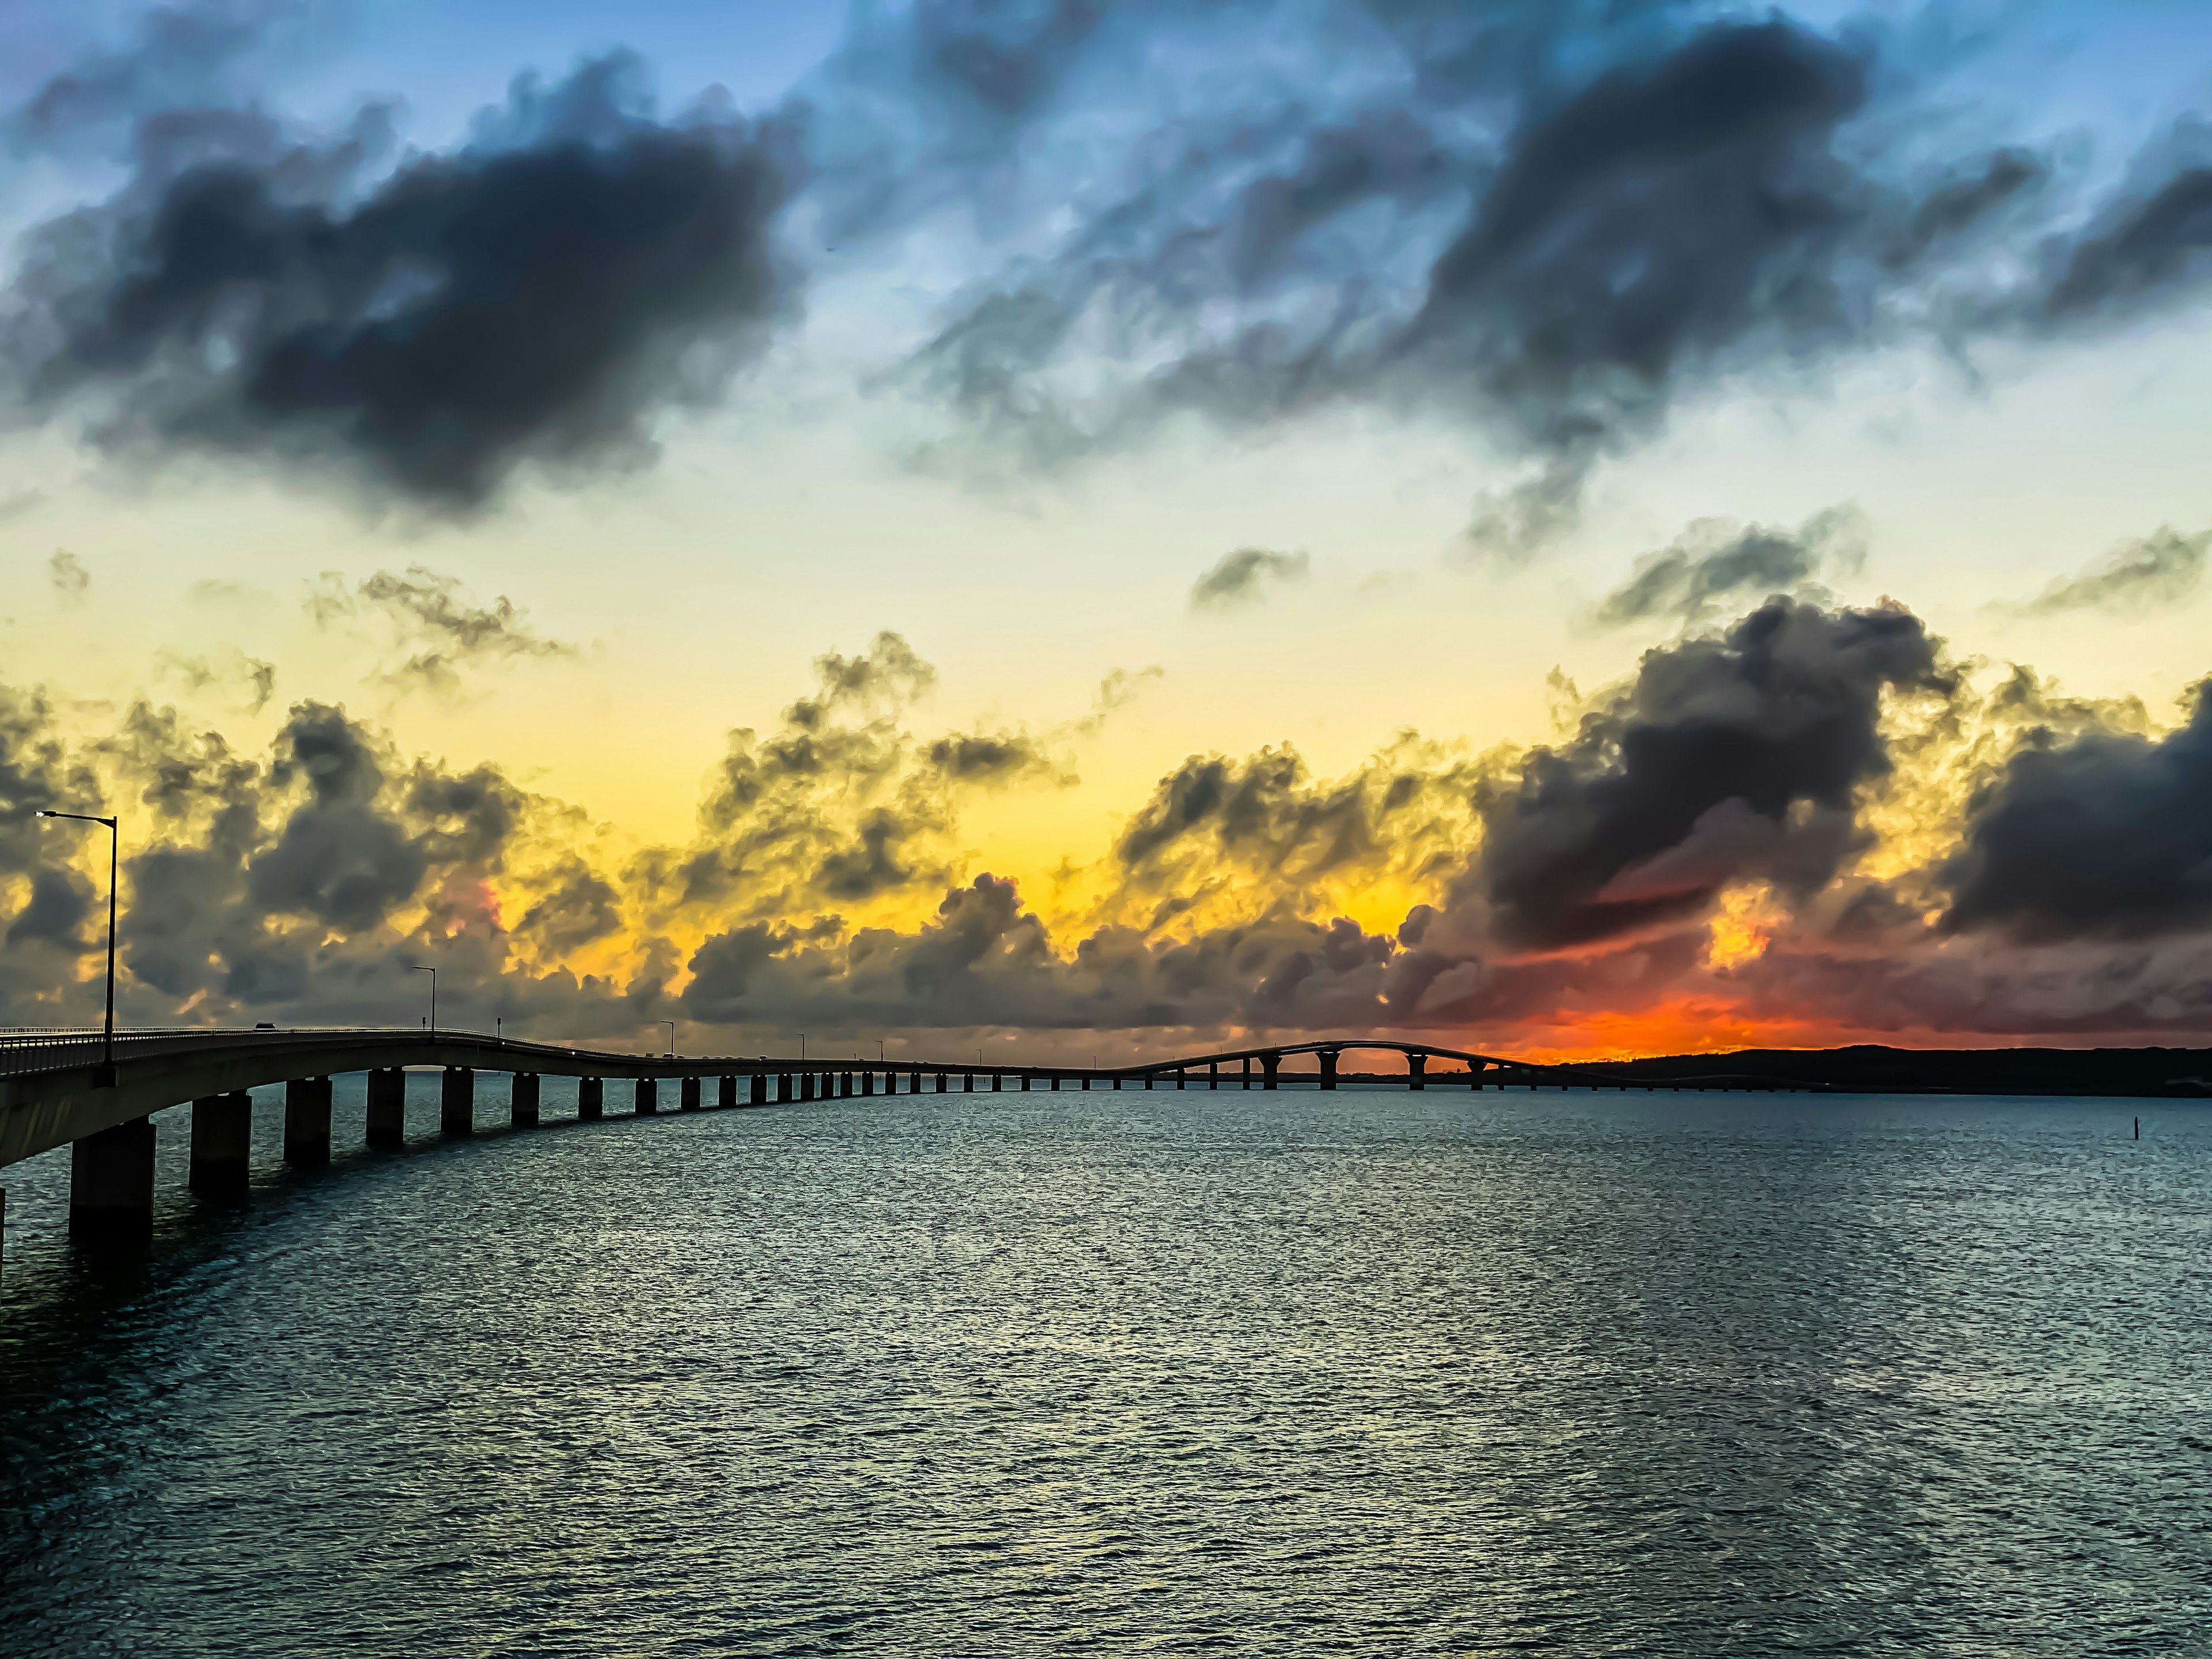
x=57, y=1048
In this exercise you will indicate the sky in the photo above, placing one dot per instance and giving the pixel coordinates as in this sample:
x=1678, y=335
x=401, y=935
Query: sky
x=1075, y=527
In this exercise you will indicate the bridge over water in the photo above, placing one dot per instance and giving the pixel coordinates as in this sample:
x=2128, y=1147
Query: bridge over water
x=74, y=1089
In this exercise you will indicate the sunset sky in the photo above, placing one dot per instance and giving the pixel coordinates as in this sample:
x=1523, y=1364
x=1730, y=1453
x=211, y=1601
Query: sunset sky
x=1085, y=527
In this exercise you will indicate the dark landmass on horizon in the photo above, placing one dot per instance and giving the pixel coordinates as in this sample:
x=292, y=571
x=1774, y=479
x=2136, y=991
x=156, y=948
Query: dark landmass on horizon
x=1871, y=1068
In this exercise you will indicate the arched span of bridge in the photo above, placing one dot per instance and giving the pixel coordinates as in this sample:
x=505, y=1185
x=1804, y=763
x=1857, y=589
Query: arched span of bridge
x=57, y=1088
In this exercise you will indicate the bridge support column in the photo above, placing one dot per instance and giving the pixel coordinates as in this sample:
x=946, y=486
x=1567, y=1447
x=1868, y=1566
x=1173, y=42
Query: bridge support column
x=1417, y=1071
x=940, y=1077
x=727, y=1095
x=522, y=1092
x=591, y=1099
x=1475, y=1077
x=1248, y=1070
x=387, y=1107
x=687, y=1097
x=1182, y=1076
x=1328, y=1068
x=649, y=1096
x=308, y=1121
x=757, y=1090
x=844, y=1085
x=784, y=1091
x=1269, y=1064
x=1213, y=1074
x=223, y=1133
x=998, y=1082
x=112, y=1184
x=457, y=1101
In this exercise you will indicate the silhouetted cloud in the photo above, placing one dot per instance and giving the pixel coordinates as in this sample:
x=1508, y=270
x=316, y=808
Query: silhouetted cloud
x=539, y=295
x=1245, y=576
x=1715, y=564
x=2101, y=834
x=1725, y=758
x=2161, y=568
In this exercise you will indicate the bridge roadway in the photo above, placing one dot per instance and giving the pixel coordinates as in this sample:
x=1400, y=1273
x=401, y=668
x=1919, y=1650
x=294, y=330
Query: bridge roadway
x=56, y=1089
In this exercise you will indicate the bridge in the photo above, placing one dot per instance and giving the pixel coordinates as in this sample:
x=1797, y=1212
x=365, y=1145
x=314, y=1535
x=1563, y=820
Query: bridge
x=97, y=1094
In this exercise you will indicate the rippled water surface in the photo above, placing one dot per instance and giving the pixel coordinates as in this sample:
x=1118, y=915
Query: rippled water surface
x=1367, y=1373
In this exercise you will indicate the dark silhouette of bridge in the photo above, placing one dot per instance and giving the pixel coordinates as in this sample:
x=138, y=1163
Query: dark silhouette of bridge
x=58, y=1088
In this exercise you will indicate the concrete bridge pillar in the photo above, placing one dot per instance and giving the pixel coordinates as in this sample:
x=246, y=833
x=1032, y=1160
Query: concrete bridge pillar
x=1213, y=1074
x=758, y=1094
x=939, y=1076
x=308, y=1121
x=1182, y=1076
x=1117, y=1082
x=1328, y=1068
x=387, y=1107
x=591, y=1099
x=649, y=1096
x=111, y=1183
x=727, y=1094
x=844, y=1085
x=784, y=1091
x=806, y=1085
x=998, y=1082
x=1475, y=1077
x=522, y=1094
x=222, y=1133
x=1269, y=1064
x=1248, y=1070
x=457, y=1101
x=687, y=1097
x=1417, y=1071
x=968, y=1083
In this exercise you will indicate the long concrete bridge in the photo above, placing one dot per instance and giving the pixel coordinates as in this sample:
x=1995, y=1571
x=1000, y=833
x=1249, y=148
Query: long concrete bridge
x=62, y=1089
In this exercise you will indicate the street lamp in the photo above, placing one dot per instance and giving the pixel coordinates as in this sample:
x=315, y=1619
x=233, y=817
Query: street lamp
x=105, y=1077
x=671, y=1024
x=802, y=1048
x=417, y=966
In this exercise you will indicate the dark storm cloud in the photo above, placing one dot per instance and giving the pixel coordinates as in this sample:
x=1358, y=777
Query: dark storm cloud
x=2101, y=834
x=1715, y=563
x=1725, y=758
x=2161, y=568
x=338, y=859
x=538, y=296
x=55, y=913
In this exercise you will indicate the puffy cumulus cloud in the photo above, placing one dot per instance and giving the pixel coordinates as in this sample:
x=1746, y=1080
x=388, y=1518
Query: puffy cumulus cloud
x=539, y=295
x=1245, y=576
x=1716, y=562
x=1726, y=758
x=2160, y=568
x=843, y=804
x=430, y=619
x=1221, y=835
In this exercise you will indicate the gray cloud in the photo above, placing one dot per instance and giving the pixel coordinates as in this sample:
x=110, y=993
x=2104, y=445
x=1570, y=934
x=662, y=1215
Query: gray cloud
x=2161, y=568
x=1715, y=564
x=538, y=296
x=1244, y=577
x=428, y=613
x=70, y=581
x=181, y=56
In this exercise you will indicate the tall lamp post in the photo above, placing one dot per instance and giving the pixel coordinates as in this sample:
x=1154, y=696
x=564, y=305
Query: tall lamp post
x=420, y=967
x=671, y=1024
x=802, y=1048
x=105, y=1077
